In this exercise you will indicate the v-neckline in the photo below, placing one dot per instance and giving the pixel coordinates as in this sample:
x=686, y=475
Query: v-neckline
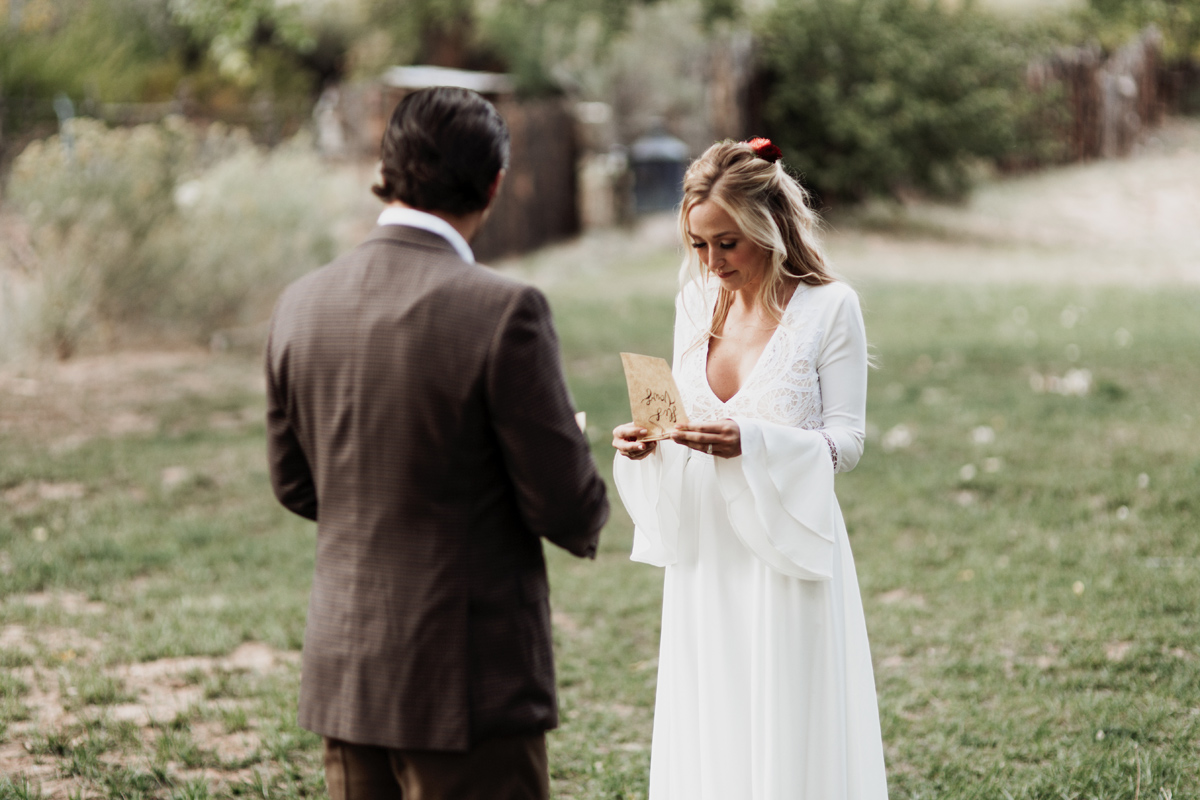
x=800, y=287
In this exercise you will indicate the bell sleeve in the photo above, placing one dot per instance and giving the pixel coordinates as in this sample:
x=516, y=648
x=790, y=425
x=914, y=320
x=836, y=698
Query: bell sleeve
x=651, y=487
x=779, y=491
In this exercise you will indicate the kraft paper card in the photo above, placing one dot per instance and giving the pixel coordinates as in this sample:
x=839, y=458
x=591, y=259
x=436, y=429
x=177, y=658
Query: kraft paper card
x=653, y=396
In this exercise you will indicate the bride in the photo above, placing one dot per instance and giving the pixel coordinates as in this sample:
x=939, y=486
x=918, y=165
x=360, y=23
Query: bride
x=765, y=685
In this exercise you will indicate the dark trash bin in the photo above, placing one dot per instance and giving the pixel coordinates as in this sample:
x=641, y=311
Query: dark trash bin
x=659, y=161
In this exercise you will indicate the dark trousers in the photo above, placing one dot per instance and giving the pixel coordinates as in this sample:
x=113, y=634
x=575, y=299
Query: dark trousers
x=504, y=768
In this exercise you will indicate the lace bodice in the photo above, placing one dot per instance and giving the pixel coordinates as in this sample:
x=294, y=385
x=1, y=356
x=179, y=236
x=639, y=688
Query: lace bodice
x=782, y=387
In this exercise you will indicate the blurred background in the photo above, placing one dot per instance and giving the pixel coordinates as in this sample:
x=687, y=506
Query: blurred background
x=1013, y=187
x=168, y=164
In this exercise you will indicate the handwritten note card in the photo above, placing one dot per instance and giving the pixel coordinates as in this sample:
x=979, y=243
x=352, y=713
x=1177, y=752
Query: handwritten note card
x=653, y=397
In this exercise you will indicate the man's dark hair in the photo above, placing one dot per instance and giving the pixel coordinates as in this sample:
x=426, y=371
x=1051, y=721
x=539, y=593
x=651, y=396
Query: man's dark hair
x=442, y=149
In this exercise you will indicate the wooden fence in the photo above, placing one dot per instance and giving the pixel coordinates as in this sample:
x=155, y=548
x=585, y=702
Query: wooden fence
x=538, y=201
x=1179, y=87
x=1107, y=102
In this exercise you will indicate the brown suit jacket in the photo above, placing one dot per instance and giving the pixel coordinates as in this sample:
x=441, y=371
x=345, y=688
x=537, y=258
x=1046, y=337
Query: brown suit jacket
x=417, y=411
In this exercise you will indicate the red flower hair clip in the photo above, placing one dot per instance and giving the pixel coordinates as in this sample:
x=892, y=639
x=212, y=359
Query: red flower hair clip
x=764, y=149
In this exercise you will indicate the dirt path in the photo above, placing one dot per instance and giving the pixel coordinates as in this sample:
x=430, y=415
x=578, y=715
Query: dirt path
x=1135, y=220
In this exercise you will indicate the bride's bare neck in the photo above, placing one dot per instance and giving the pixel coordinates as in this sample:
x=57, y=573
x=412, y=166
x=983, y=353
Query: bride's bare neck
x=747, y=309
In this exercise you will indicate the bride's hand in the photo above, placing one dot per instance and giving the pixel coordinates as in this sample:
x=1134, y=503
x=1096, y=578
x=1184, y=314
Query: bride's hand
x=625, y=439
x=722, y=438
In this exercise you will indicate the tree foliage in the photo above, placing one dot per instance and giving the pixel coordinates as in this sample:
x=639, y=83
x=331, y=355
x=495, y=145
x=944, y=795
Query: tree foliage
x=231, y=30
x=532, y=40
x=240, y=21
x=875, y=96
x=125, y=49
x=544, y=43
x=1116, y=21
x=138, y=50
x=216, y=57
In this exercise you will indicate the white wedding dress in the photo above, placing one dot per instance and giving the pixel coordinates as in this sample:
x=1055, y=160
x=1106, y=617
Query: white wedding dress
x=765, y=685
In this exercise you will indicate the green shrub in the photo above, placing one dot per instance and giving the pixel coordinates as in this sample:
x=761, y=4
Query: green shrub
x=93, y=197
x=245, y=228
x=165, y=230
x=876, y=96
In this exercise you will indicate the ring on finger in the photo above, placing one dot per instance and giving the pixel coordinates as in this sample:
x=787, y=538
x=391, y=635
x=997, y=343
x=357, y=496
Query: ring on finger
x=710, y=448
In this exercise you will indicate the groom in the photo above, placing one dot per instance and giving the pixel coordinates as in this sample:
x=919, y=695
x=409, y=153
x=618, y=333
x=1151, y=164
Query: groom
x=416, y=409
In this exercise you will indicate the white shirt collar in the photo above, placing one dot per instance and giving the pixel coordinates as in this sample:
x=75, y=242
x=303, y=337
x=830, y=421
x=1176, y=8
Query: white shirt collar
x=412, y=218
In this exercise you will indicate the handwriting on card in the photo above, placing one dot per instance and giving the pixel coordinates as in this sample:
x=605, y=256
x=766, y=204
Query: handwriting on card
x=653, y=396
x=661, y=406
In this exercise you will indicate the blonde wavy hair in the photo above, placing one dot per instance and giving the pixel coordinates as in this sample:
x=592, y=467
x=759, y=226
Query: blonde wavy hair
x=770, y=207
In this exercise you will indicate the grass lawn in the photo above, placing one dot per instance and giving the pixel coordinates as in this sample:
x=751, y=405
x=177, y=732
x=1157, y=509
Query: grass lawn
x=1024, y=520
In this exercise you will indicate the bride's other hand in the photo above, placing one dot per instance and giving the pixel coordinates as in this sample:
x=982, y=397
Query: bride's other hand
x=625, y=439
x=722, y=438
